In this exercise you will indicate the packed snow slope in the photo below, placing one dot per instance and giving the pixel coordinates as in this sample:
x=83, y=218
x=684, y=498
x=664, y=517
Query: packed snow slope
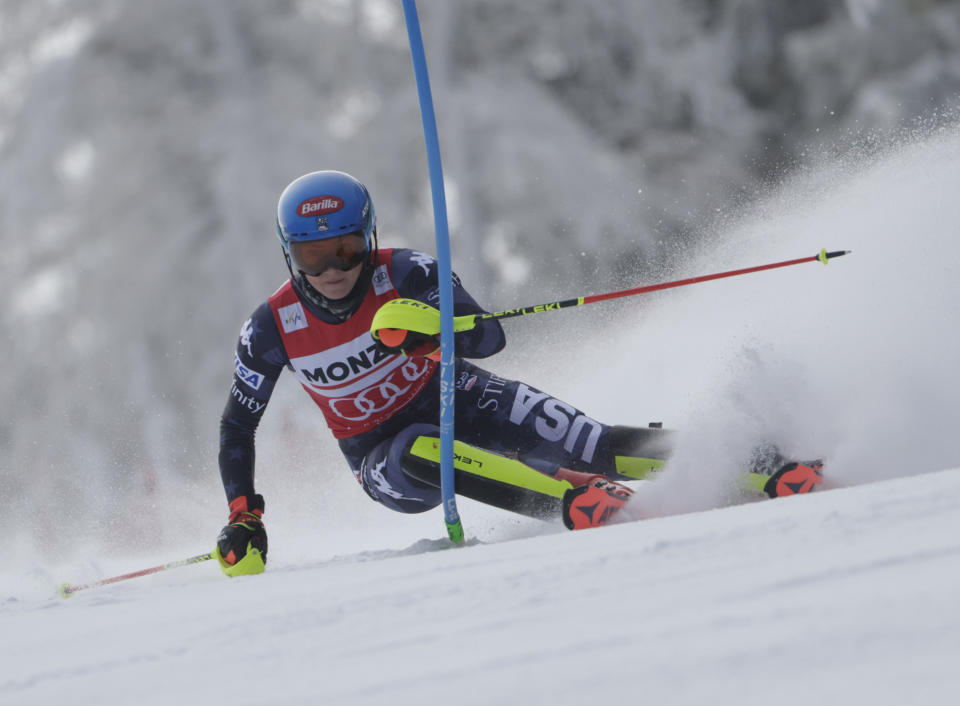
x=847, y=596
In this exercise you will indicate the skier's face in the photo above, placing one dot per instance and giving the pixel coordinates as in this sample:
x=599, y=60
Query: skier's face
x=335, y=284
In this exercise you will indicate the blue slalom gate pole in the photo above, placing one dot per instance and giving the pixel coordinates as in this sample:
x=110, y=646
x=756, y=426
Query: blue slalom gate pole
x=444, y=270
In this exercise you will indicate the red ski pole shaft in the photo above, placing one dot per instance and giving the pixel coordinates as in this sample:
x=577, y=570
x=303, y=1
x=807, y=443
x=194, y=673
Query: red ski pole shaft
x=823, y=256
x=396, y=316
x=67, y=590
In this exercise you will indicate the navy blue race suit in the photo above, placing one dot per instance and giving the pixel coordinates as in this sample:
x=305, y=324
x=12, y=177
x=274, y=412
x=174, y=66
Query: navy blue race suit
x=503, y=416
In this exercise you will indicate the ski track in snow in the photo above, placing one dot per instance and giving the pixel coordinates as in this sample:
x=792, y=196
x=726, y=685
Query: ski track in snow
x=847, y=596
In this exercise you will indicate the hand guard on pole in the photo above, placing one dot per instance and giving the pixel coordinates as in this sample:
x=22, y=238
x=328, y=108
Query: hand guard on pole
x=408, y=326
x=242, y=545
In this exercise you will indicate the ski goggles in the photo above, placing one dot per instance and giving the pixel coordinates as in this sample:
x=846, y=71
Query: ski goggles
x=343, y=252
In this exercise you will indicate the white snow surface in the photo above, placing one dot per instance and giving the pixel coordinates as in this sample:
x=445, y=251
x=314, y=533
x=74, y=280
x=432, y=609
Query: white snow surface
x=847, y=597
x=842, y=597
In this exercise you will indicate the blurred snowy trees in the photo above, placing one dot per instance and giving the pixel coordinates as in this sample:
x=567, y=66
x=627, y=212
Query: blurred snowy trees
x=143, y=145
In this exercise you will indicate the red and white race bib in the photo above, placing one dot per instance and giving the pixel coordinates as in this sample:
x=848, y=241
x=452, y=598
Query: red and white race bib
x=355, y=386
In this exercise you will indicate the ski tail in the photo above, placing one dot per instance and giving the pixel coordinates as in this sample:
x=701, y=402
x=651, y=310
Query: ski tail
x=639, y=452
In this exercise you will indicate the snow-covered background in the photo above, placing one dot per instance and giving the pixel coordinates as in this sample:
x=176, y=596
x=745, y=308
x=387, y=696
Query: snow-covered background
x=602, y=144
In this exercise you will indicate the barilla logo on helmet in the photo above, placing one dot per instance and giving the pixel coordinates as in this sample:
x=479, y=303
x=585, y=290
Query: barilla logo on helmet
x=319, y=205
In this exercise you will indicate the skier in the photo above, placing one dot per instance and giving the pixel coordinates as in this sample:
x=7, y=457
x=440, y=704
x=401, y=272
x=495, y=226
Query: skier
x=358, y=326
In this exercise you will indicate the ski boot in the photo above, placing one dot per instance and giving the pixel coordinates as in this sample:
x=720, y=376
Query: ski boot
x=593, y=500
x=784, y=477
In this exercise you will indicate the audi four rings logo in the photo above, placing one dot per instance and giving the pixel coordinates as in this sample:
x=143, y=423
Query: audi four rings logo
x=380, y=397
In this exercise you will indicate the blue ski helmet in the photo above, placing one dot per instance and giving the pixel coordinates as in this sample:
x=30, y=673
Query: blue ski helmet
x=322, y=205
x=326, y=220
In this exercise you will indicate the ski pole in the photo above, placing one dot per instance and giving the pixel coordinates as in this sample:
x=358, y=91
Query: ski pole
x=67, y=590
x=823, y=256
x=396, y=317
